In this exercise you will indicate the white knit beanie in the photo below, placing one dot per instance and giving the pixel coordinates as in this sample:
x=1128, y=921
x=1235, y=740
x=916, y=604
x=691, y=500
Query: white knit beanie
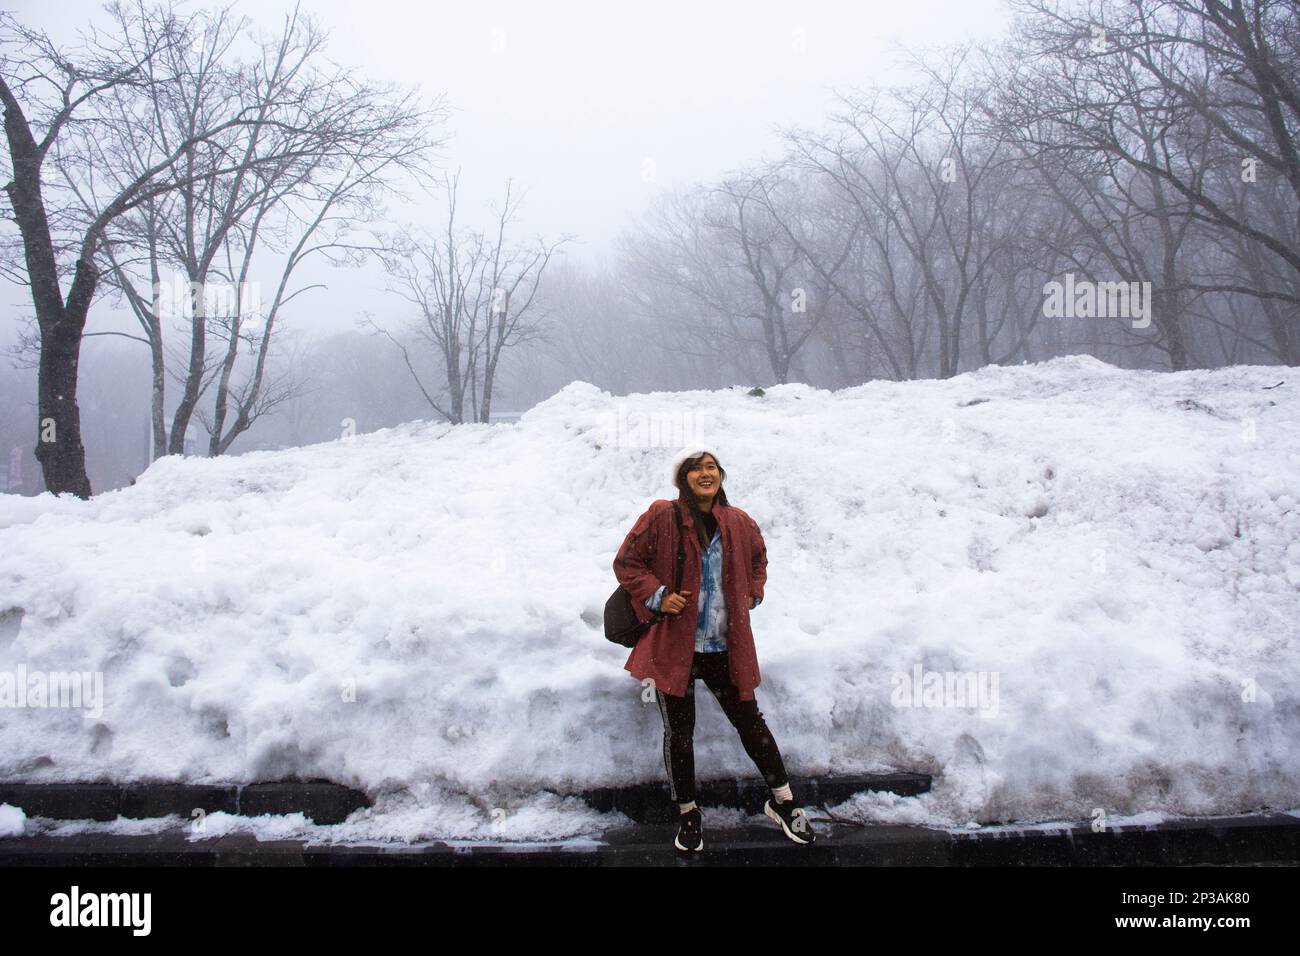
x=690, y=451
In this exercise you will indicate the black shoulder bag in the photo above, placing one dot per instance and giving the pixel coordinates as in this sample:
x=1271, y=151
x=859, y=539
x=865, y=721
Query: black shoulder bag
x=621, y=623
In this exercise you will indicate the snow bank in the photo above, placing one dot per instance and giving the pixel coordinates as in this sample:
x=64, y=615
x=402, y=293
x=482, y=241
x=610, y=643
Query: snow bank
x=1113, y=556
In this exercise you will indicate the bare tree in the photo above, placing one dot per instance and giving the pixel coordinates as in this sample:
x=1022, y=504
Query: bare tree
x=766, y=226
x=130, y=120
x=48, y=95
x=296, y=191
x=1177, y=93
x=476, y=296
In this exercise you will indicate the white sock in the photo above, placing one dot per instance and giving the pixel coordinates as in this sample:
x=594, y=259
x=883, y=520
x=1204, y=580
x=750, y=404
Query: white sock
x=783, y=794
x=686, y=807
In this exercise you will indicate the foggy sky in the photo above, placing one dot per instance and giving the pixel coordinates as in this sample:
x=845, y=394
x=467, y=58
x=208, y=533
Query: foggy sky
x=573, y=99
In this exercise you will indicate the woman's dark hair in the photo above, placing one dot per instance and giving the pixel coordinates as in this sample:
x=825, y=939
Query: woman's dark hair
x=684, y=492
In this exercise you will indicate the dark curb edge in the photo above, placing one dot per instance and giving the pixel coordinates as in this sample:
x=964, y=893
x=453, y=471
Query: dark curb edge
x=1265, y=838
x=326, y=803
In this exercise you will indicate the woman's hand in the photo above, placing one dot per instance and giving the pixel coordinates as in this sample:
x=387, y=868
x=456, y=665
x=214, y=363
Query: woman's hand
x=673, y=603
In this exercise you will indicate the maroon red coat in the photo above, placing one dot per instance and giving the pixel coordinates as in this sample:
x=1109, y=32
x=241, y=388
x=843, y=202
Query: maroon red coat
x=645, y=561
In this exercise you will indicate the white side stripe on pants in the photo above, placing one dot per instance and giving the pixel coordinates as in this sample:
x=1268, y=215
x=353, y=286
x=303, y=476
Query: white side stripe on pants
x=663, y=711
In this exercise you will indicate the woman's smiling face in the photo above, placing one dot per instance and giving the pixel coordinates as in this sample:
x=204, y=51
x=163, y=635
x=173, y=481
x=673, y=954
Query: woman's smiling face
x=703, y=477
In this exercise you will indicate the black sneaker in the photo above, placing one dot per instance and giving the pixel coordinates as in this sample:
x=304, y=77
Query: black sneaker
x=690, y=831
x=792, y=820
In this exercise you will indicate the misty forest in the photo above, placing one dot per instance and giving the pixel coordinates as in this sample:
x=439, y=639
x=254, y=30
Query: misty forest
x=185, y=187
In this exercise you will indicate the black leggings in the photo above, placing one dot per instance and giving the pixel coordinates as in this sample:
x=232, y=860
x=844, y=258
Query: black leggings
x=679, y=727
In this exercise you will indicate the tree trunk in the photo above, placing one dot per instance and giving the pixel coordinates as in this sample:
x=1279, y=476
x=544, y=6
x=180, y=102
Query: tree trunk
x=58, y=427
x=194, y=377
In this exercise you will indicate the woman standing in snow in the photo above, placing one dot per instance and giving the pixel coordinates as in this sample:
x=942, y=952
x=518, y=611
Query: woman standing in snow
x=725, y=556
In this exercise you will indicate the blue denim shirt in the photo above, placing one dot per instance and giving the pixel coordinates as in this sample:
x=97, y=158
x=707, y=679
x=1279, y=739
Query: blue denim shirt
x=711, y=622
